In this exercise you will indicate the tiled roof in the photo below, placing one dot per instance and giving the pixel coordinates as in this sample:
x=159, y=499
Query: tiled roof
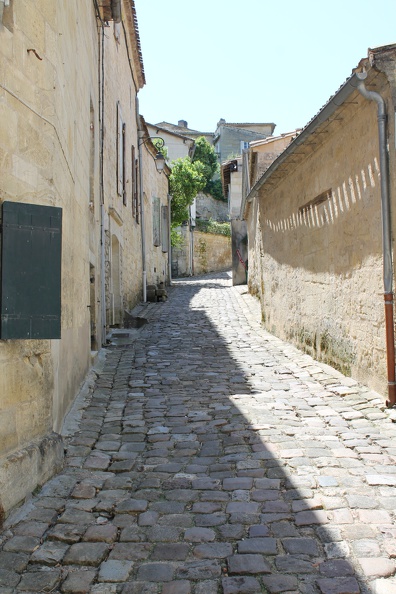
x=170, y=131
x=241, y=124
x=182, y=129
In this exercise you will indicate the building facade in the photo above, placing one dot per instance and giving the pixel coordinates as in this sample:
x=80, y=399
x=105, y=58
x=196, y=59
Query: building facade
x=182, y=129
x=73, y=171
x=177, y=145
x=230, y=139
x=316, y=256
x=49, y=140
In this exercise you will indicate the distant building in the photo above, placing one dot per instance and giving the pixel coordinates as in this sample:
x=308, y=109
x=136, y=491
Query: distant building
x=182, y=128
x=262, y=153
x=255, y=159
x=177, y=145
x=230, y=139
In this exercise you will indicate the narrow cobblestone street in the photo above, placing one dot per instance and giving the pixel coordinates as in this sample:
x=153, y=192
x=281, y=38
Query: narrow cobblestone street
x=210, y=457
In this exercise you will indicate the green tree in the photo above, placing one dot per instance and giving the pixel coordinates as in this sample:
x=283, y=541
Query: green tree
x=185, y=181
x=204, y=153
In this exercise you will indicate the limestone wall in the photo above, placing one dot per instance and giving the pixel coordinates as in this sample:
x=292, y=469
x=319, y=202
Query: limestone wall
x=157, y=239
x=45, y=147
x=318, y=270
x=210, y=208
x=66, y=84
x=211, y=253
x=182, y=255
x=122, y=224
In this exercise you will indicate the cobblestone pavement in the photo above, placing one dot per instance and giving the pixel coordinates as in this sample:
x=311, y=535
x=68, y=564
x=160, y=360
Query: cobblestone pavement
x=211, y=457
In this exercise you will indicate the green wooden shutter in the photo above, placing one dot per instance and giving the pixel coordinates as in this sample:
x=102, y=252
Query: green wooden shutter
x=156, y=221
x=31, y=241
x=164, y=229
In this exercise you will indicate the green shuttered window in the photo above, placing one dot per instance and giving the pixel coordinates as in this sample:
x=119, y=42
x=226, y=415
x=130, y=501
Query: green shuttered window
x=30, y=297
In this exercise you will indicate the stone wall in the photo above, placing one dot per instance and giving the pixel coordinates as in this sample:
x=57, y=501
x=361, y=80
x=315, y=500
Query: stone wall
x=318, y=269
x=200, y=253
x=45, y=147
x=182, y=255
x=210, y=208
x=211, y=253
x=239, y=242
x=53, y=114
x=157, y=238
x=122, y=223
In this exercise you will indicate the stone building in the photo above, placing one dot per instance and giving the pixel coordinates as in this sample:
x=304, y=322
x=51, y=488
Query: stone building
x=70, y=203
x=315, y=219
x=247, y=168
x=130, y=178
x=230, y=139
x=182, y=129
x=198, y=253
x=262, y=153
x=177, y=145
x=156, y=213
x=231, y=177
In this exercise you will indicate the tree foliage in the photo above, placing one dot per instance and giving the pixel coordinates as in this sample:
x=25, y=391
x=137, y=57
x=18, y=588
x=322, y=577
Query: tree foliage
x=215, y=189
x=185, y=181
x=214, y=227
x=189, y=177
x=176, y=238
x=204, y=152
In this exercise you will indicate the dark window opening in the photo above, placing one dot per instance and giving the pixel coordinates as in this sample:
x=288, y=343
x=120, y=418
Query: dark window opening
x=316, y=201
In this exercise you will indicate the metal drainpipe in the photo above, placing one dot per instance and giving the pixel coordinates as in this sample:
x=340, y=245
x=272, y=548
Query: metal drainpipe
x=102, y=197
x=386, y=235
x=141, y=195
x=169, y=241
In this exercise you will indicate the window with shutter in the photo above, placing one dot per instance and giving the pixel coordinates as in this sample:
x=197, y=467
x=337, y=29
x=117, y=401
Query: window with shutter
x=124, y=194
x=137, y=191
x=156, y=222
x=30, y=299
x=164, y=229
x=120, y=152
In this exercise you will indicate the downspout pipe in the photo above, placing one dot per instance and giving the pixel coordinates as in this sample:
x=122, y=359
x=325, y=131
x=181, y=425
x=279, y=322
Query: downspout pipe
x=141, y=196
x=386, y=234
x=169, y=240
x=102, y=197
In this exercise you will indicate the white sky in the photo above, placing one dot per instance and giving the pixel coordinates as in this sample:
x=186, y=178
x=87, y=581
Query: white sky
x=253, y=60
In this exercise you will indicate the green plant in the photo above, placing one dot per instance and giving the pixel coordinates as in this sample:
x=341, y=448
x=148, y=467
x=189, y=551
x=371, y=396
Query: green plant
x=215, y=189
x=176, y=238
x=204, y=153
x=214, y=227
x=185, y=181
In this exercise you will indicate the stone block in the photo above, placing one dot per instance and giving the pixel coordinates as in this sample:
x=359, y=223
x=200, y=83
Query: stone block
x=115, y=570
x=86, y=553
x=240, y=585
x=248, y=564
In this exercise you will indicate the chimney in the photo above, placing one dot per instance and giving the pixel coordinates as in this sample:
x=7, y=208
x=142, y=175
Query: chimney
x=182, y=123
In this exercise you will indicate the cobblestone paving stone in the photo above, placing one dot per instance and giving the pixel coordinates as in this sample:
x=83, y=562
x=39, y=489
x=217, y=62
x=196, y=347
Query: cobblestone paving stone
x=211, y=457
